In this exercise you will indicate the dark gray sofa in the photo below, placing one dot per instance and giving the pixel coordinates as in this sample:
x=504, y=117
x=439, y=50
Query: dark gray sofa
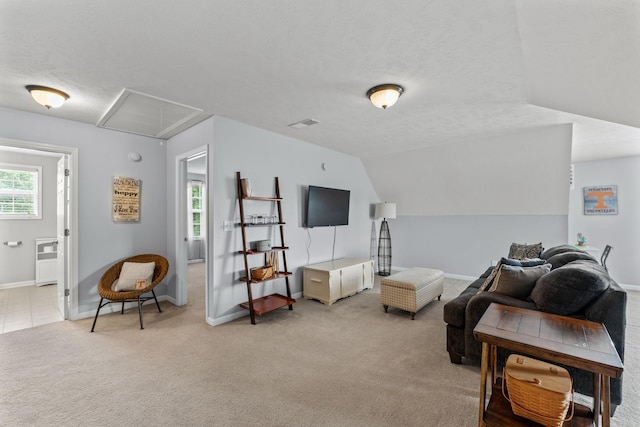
x=609, y=307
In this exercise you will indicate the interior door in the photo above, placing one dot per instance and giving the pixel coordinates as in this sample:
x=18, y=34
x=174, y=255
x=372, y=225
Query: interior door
x=62, y=226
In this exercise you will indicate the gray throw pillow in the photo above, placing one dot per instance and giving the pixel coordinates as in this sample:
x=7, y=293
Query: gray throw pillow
x=570, y=288
x=518, y=281
x=558, y=260
x=525, y=251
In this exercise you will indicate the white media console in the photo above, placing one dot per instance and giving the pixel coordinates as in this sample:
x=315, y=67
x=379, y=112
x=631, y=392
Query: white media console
x=329, y=281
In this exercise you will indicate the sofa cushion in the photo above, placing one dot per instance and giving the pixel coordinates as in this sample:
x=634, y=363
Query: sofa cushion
x=525, y=251
x=491, y=273
x=454, y=310
x=558, y=250
x=518, y=281
x=570, y=288
x=558, y=260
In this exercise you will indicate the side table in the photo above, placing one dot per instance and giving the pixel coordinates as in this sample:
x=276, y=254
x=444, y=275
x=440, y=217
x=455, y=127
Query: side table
x=573, y=342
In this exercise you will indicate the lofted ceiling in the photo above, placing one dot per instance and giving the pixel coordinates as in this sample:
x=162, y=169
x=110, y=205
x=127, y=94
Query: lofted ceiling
x=469, y=68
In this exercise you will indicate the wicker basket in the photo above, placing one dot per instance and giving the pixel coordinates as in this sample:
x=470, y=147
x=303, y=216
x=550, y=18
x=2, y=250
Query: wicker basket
x=537, y=390
x=262, y=273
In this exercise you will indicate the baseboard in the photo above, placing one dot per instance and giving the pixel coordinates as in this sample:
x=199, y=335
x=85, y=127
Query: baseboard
x=227, y=318
x=459, y=276
x=238, y=314
x=17, y=284
x=116, y=307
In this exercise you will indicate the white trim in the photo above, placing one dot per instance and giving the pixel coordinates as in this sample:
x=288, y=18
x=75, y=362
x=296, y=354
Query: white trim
x=181, y=226
x=116, y=307
x=238, y=314
x=460, y=276
x=72, y=152
x=17, y=284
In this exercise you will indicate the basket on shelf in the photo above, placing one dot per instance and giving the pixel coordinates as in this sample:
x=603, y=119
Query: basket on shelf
x=262, y=273
x=537, y=390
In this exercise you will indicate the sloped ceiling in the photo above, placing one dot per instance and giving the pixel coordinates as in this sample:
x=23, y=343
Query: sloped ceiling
x=470, y=68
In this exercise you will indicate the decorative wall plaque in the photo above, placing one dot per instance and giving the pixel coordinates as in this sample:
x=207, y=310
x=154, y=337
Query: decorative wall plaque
x=126, y=199
x=601, y=200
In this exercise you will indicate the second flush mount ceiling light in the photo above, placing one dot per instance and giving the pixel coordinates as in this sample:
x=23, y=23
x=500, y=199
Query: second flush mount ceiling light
x=383, y=96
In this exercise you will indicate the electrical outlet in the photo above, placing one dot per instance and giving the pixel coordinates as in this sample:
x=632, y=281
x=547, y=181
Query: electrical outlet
x=227, y=226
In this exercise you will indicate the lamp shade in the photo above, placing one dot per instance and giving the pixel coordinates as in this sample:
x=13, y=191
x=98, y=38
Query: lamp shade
x=46, y=96
x=385, y=210
x=383, y=96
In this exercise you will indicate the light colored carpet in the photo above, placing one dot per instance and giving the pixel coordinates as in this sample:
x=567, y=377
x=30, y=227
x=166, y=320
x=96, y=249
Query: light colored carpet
x=348, y=364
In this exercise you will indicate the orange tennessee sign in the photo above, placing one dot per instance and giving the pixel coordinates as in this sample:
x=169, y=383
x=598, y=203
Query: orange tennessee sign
x=600, y=195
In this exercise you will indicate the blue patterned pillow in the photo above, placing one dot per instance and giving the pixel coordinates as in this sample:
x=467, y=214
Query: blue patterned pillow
x=522, y=262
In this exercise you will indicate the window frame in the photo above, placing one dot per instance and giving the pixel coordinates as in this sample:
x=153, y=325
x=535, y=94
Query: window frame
x=191, y=211
x=38, y=190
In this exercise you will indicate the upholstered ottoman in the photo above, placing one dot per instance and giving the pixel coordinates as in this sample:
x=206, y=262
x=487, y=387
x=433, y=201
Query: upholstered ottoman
x=411, y=289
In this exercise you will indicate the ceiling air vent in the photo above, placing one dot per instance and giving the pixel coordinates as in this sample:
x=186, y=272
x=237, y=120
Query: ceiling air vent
x=142, y=114
x=304, y=123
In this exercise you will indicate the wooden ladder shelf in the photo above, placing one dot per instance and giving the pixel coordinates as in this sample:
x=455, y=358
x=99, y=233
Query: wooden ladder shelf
x=267, y=303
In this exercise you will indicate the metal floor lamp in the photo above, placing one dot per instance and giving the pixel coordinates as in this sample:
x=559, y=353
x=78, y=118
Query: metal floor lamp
x=385, y=210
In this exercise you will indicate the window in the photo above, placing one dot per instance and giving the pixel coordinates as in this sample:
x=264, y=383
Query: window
x=20, y=196
x=196, y=209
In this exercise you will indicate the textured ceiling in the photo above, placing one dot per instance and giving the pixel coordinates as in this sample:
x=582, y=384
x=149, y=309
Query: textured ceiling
x=469, y=67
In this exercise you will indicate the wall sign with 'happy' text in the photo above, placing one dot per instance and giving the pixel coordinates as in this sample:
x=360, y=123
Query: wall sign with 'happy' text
x=601, y=200
x=126, y=199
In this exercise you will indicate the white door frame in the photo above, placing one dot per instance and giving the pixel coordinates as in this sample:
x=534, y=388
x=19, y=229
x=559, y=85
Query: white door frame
x=182, y=227
x=72, y=220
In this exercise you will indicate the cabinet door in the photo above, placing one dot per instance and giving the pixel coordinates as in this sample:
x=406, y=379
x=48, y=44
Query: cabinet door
x=46, y=272
x=351, y=282
x=367, y=275
x=316, y=285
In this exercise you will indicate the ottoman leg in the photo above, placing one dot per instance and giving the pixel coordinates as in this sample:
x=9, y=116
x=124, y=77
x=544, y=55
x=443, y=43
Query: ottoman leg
x=439, y=297
x=385, y=307
x=413, y=315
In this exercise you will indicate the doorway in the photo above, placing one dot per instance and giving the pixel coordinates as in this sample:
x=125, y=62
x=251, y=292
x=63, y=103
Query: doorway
x=57, y=302
x=193, y=229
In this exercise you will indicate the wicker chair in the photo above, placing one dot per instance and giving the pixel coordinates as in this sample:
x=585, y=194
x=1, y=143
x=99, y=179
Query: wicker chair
x=110, y=276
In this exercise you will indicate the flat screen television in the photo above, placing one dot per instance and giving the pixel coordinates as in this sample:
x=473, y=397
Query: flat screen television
x=327, y=207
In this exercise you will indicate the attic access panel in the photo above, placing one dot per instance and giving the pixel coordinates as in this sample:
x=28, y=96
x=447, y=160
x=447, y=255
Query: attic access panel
x=143, y=114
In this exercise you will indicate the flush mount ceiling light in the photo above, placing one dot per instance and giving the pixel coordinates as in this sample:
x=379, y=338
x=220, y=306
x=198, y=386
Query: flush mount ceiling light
x=383, y=96
x=49, y=97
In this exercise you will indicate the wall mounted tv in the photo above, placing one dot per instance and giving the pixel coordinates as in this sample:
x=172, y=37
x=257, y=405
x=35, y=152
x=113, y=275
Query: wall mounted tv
x=327, y=207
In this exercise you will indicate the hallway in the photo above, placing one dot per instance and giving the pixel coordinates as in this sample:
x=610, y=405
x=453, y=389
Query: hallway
x=27, y=306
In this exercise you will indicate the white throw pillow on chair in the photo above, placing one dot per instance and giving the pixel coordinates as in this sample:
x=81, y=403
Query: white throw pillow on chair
x=134, y=276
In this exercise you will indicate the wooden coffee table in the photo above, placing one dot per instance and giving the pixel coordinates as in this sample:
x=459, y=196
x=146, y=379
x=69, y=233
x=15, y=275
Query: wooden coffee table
x=573, y=342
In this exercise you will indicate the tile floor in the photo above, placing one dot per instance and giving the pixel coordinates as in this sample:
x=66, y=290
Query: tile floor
x=27, y=306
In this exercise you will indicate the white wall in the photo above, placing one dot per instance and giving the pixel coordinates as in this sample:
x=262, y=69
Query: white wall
x=102, y=154
x=621, y=231
x=17, y=265
x=261, y=156
x=200, y=135
x=460, y=206
x=466, y=244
